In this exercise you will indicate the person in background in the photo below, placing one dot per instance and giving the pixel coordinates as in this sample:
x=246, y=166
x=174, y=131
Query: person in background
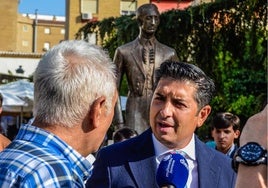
x=180, y=104
x=137, y=60
x=209, y=139
x=225, y=129
x=124, y=134
x=253, y=174
x=4, y=141
x=74, y=97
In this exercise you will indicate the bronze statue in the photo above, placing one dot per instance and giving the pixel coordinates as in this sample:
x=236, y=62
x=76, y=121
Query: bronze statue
x=138, y=59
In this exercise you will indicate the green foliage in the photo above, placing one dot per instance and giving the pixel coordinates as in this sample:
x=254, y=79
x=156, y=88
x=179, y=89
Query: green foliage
x=106, y=26
x=125, y=29
x=124, y=86
x=227, y=39
x=90, y=27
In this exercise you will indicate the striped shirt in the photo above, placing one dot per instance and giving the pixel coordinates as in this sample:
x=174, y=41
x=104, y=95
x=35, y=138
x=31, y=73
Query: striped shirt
x=37, y=158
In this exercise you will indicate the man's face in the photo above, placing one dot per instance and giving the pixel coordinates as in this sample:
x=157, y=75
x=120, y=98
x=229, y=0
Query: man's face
x=174, y=113
x=150, y=21
x=224, y=138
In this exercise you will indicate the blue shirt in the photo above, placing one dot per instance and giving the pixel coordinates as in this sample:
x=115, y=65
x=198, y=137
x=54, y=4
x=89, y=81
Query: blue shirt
x=37, y=158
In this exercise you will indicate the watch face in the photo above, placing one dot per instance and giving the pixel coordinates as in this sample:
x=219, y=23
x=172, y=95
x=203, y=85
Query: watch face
x=251, y=152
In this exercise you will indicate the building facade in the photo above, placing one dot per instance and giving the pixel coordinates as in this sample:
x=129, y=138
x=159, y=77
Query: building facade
x=34, y=33
x=24, y=38
x=8, y=26
x=80, y=12
x=38, y=33
x=28, y=32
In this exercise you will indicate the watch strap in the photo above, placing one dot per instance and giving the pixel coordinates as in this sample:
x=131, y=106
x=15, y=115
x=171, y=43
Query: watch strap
x=237, y=159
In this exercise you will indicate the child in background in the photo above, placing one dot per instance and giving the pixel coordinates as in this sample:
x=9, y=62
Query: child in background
x=225, y=129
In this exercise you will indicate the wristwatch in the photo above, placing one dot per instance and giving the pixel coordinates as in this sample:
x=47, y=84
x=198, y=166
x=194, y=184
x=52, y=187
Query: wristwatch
x=251, y=154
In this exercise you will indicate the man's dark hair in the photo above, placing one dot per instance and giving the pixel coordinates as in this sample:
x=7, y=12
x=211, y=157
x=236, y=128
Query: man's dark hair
x=123, y=134
x=143, y=10
x=188, y=72
x=223, y=120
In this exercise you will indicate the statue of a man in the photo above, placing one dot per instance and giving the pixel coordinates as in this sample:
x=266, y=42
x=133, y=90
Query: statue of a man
x=138, y=59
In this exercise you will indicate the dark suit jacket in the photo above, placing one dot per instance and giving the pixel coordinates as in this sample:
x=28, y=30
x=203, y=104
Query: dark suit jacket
x=128, y=59
x=132, y=164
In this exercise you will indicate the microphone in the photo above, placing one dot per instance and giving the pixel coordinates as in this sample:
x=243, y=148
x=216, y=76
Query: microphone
x=172, y=171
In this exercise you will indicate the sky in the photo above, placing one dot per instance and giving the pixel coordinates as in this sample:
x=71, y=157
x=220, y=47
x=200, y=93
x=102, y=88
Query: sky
x=44, y=7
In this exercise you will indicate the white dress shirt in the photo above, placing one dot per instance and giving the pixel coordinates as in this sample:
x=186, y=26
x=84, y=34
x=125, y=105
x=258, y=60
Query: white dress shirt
x=189, y=152
x=230, y=151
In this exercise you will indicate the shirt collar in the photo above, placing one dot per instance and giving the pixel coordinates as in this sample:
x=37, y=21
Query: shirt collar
x=143, y=41
x=160, y=149
x=230, y=150
x=43, y=137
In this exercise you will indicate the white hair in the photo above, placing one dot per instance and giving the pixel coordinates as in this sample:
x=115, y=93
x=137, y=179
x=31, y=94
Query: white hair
x=68, y=79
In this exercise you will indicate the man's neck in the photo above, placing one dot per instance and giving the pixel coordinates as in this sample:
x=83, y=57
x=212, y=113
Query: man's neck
x=68, y=134
x=226, y=150
x=147, y=36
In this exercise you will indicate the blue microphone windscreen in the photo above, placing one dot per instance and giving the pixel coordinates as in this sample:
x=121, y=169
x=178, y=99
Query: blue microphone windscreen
x=173, y=170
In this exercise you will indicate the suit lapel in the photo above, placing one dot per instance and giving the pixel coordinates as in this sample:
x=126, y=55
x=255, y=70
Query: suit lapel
x=144, y=172
x=143, y=168
x=137, y=55
x=206, y=167
x=158, y=57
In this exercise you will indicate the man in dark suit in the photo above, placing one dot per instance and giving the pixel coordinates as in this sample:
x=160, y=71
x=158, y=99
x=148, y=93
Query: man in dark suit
x=138, y=60
x=180, y=104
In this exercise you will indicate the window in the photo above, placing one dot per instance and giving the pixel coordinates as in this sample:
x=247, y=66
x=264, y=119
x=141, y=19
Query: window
x=89, y=6
x=62, y=31
x=25, y=28
x=128, y=7
x=47, y=31
x=46, y=46
x=92, y=38
x=25, y=43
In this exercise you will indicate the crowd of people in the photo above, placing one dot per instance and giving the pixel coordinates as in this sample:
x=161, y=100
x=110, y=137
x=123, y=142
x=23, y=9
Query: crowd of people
x=76, y=100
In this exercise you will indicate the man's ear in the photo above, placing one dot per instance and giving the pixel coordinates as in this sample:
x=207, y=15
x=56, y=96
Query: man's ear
x=237, y=133
x=203, y=114
x=96, y=111
x=212, y=132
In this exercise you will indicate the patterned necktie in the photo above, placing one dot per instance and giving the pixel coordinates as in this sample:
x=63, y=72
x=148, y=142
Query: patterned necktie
x=148, y=52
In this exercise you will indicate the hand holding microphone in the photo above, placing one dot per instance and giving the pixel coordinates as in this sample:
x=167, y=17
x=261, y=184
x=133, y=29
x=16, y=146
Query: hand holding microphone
x=173, y=171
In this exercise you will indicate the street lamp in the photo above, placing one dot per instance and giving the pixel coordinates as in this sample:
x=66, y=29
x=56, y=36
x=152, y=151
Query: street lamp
x=19, y=70
x=35, y=32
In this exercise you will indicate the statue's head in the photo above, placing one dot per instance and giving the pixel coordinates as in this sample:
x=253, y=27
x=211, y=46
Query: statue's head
x=148, y=17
